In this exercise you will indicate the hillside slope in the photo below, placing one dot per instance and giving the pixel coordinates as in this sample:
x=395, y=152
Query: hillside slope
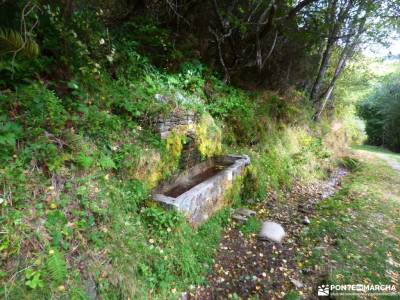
x=80, y=154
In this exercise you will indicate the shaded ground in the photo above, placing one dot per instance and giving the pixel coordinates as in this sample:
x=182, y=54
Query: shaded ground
x=353, y=237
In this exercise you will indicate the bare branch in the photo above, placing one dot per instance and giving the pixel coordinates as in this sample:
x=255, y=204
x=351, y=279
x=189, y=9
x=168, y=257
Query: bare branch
x=270, y=50
x=175, y=10
x=219, y=40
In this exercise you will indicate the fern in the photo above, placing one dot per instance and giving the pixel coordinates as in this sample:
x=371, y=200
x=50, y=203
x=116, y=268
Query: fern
x=13, y=41
x=56, y=267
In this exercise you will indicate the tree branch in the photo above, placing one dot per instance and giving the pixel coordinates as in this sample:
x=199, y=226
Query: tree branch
x=295, y=10
x=219, y=40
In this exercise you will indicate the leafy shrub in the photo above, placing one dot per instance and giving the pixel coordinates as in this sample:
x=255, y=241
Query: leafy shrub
x=56, y=269
x=160, y=220
x=41, y=108
x=94, y=111
x=84, y=161
x=134, y=192
x=149, y=39
x=191, y=76
x=106, y=162
x=235, y=109
x=9, y=133
x=350, y=163
x=381, y=111
x=33, y=279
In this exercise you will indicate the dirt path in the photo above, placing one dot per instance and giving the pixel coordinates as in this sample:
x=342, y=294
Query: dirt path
x=376, y=152
x=247, y=267
x=393, y=163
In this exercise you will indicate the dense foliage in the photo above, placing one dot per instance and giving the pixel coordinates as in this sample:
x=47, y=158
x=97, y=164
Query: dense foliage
x=80, y=89
x=381, y=111
x=254, y=44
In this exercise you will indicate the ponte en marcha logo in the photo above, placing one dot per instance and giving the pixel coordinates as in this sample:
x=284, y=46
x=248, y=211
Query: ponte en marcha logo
x=357, y=289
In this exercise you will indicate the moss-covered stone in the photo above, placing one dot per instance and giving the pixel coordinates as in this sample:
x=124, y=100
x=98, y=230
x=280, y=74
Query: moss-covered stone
x=208, y=136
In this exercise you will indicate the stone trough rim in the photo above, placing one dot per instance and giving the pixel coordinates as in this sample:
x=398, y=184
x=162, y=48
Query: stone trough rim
x=209, y=180
x=228, y=173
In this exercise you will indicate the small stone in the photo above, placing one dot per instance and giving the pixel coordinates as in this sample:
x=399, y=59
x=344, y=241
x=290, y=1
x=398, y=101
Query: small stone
x=272, y=231
x=91, y=290
x=161, y=98
x=61, y=288
x=298, y=284
x=306, y=221
x=251, y=201
x=239, y=218
x=245, y=212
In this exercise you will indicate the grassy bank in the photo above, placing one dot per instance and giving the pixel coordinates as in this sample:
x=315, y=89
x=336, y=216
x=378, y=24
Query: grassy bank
x=80, y=155
x=75, y=215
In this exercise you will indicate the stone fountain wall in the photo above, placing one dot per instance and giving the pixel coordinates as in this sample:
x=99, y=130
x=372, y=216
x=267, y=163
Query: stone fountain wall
x=177, y=118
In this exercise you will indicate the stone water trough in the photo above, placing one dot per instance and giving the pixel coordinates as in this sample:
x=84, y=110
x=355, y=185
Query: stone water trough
x=199, y=191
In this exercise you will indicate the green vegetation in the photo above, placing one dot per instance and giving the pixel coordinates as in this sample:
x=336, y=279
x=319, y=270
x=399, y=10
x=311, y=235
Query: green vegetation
x=353, y=237
x=82, y=87
x=252, y=226
x=80, y=154
x=381, y=111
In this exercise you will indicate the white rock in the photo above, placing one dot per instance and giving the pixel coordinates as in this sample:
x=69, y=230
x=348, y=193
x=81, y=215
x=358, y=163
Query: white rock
x=272, y=231
x=298, y=284
x=306, y=221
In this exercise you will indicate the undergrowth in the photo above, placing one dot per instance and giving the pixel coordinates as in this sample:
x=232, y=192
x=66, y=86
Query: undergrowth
x=79, y=156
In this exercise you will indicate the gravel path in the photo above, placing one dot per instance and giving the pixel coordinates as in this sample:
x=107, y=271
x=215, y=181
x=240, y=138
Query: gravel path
x=393, y=163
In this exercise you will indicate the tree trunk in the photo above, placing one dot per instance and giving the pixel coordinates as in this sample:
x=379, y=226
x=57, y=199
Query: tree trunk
x=326, y=55
x=328, y=92
x=321, y=72
x=346, y=53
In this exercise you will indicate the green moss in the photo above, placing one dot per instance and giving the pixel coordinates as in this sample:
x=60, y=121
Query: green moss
x=173, y=146
x=232, y=195
x=208, y=136
x=251, y=183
